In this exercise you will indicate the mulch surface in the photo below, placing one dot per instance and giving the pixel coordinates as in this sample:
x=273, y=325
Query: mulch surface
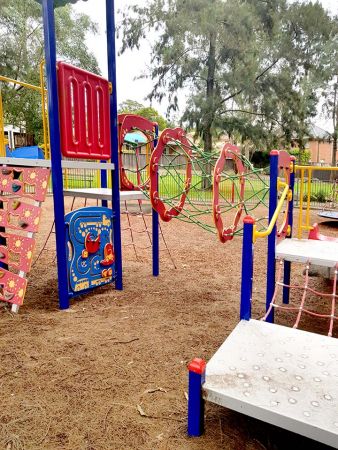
x=110, y=372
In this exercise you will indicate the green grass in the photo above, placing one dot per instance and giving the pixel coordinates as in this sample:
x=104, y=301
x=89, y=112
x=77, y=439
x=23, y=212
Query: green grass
x=171, y=186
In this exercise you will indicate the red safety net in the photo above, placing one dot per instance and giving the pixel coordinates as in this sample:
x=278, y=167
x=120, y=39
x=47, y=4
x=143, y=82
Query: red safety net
x=84, y=113
x=331, y=297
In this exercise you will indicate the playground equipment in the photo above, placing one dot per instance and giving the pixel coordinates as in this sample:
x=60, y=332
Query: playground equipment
x=283, y=376
x=23, y=191
x=329, y=211
x=305, y=189
x=134, y=174
x=85, y=129
x=40, y=90
x=182, y=177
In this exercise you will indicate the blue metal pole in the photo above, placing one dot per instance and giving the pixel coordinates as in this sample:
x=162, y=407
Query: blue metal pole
x=103, y=183
x=287, y=264
x=195, y=400
x=54, y=132
x=111, y=53
x=247, y=269
x=271, y=262
x=155, y=230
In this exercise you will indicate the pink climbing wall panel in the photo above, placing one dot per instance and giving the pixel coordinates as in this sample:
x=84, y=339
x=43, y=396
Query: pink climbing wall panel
x=18, y=251
x=18, y=215
x=30, y=183
x=22, y=190
x=12, y=287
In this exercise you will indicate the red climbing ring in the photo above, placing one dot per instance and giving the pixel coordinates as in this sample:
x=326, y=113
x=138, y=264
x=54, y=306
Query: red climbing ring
x=168, y=135
x=126, y=124
x=285, y=165
x=229, y=152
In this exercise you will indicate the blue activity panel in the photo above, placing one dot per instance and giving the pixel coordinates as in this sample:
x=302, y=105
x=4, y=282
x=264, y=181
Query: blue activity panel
x=90, y=250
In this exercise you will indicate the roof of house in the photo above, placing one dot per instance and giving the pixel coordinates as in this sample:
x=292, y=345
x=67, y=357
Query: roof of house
x=318, y=132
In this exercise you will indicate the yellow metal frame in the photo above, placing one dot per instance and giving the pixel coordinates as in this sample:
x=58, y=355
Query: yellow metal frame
x=44, y=108
x=3, y=141
x=286, y=195
x=304, y=225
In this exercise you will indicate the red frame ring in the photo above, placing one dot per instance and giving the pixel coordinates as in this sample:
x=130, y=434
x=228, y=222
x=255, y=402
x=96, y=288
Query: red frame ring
x=229, y=151
x=126, y=123
x=167, y=135
x=284, y=163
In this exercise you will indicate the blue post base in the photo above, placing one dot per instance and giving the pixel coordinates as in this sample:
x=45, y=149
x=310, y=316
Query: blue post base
x=195, y=401
x=156, y=244
x=286, y=280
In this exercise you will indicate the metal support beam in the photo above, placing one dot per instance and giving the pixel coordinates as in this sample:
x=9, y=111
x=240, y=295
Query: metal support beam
x=111, y=54
x=54, y=125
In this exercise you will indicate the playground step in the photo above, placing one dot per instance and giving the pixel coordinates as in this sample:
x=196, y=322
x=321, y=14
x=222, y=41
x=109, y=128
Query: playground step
x=103, y=194
x=321, y=253
x=283, y=376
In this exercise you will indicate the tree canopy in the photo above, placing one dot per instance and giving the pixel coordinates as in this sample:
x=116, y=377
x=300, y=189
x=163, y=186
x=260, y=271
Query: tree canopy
x=133, y=107
x=22, y=49
x=250, y=67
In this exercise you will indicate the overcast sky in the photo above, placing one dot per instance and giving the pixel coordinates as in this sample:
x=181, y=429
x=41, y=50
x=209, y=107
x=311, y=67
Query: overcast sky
x=132, y=63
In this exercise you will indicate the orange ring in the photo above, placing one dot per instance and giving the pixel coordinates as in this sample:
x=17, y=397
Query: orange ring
x=167, y=135
x=228, y=152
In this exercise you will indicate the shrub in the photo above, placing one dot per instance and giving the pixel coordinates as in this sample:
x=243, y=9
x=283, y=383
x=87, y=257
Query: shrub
x=319, y=197
x=302, y=156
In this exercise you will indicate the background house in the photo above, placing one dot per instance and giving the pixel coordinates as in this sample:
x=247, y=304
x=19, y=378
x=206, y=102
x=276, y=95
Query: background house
x=319, y=145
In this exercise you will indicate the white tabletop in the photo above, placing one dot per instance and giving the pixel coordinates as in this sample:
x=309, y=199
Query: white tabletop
x=103, y=194
x=283, y=376
x=321, y=253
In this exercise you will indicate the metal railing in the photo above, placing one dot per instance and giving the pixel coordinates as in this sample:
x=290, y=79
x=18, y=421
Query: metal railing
x=312, y=192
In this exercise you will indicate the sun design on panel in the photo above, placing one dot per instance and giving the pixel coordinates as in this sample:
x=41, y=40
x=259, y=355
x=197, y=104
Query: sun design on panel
x=11, y=283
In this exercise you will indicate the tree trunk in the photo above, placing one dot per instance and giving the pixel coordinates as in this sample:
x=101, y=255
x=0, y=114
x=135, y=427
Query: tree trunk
x=335, y=125
x=334, y=148
x=209, y=114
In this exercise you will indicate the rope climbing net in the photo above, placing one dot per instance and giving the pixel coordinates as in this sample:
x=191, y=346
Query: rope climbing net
x=302, y=307
x=137, y=227
x=197, y=186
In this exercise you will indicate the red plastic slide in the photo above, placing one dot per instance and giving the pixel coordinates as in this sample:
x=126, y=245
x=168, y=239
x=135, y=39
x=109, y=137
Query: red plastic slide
x=315, y=235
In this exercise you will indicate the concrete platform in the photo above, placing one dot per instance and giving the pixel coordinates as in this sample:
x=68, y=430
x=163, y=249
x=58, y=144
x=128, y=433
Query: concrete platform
x=283, y=376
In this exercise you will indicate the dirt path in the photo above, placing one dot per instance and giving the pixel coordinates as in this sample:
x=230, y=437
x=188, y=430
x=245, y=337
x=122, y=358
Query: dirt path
x=110, y=373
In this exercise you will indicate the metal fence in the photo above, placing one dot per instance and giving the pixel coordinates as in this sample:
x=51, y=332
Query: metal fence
x=322, y=189
x=323, y=186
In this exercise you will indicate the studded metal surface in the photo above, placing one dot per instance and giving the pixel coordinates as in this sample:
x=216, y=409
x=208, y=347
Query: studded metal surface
x=281, y=375
x=321, y=253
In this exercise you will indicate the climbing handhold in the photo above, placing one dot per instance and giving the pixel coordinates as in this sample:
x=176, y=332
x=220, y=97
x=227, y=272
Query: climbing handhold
x=8, y=295
x=15, y=204
x=16, y=187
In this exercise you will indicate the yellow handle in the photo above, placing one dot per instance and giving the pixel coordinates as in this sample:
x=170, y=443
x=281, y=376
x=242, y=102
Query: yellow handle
x=256, y=233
